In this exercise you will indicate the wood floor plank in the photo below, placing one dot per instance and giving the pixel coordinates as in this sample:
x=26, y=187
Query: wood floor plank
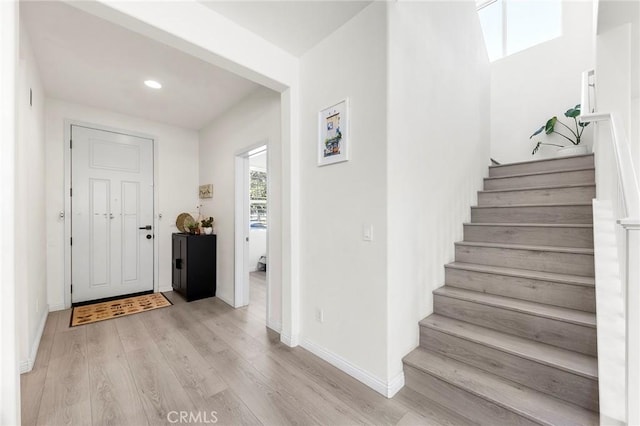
x=114, y=395
x=200, y=336
x=103, y=340
x=197, y=378
x=370, y=404
x=66, y=393
x=236, y=338
x=132, y=332
x=271, y=407
x=230, y=410
x=64, y=320
x=31, y=387
x=309, y=396
x=159, y=389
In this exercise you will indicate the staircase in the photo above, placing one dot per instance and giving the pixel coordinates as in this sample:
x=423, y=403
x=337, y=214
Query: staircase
x=512, y=339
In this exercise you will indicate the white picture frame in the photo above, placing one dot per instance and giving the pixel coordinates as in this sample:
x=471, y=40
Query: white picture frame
x=333, y=134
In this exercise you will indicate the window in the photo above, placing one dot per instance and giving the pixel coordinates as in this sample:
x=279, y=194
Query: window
x=510, y=26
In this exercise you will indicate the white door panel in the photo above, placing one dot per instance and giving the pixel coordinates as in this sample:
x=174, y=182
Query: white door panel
x=112, y=188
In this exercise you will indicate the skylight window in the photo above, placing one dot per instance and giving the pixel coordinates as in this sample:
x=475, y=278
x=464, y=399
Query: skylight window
x=510, y=26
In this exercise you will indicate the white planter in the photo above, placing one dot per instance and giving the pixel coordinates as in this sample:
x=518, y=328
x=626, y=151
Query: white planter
x=572, y=150
x=207, y=231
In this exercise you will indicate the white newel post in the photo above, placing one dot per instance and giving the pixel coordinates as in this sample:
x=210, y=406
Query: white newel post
x=632, y=233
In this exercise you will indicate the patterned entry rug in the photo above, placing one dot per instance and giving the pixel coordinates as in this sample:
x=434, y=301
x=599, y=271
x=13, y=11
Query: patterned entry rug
x=117, y=308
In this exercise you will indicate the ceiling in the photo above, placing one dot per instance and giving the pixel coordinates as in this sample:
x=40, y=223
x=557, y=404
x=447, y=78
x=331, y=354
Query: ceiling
x=84, y=59
x=295, y=26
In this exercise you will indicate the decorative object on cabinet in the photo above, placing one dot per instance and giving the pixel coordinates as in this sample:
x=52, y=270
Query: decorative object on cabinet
x=206, y=191
x=194, y=265
x=183, y=220
x=333, y=136
x=207, y=225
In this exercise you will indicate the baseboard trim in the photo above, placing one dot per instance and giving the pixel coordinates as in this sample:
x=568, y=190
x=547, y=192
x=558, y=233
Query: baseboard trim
x=165, y=289
x=57, y=307
x=290, y=340
x=225, y=300
x=27, y=365
x=387, y=389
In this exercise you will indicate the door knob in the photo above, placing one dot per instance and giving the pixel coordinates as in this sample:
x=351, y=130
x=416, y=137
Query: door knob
x=147, y=228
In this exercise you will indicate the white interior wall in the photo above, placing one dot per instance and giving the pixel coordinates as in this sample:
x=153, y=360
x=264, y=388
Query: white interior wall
x=9, y=378
x=177, y=172
x=531, y=86
x=252, y=121
x=341, y=274
x=438, y=78
x=257, y=236
x=30, y=247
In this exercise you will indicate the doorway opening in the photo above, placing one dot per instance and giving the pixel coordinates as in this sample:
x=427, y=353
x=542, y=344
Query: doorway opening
x=252, y=230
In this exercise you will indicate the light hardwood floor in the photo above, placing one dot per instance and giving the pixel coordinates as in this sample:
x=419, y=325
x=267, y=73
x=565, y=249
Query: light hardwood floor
x=198, y=357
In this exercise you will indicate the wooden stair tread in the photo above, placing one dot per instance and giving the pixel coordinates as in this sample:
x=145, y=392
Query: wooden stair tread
x=576, y=250
x=540, y=161
x=579, y=169
x=525, y=273
x=534, y=205
x=570, y=361
x=572, y=316
x=540, y=225
x=527, y=402
x=533, y=188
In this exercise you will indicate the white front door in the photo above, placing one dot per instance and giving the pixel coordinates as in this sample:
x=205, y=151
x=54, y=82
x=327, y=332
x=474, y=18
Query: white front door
x=112, y=214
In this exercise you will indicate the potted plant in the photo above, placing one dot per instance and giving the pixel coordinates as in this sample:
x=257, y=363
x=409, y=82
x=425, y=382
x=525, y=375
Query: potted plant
x=193, y=228
x=207, y=225
x=574, y=136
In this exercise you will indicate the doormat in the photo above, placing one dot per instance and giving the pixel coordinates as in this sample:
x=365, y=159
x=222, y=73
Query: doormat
x=117, y=308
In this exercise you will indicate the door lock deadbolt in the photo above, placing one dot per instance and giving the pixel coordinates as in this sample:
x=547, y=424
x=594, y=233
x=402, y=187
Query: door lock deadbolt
x=149, y=236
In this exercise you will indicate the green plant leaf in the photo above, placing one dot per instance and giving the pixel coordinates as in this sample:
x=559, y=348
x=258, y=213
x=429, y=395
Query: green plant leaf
x=551, y=123
x=573, y=112
x=581, y=124
x=537, y=132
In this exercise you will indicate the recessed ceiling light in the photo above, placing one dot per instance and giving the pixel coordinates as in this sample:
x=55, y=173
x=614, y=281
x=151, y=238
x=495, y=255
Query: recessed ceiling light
x=153, y=84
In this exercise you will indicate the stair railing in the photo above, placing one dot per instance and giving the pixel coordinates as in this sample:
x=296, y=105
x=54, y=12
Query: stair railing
x=621, y=189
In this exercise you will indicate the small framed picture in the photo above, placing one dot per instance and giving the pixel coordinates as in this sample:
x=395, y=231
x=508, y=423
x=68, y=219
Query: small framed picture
x=333, y=135
x=206, y=191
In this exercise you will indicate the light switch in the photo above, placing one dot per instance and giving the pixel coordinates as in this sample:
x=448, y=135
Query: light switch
x=367, y=233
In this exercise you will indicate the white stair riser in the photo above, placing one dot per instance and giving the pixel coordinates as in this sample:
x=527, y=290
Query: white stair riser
x=547, y=179
x=543, y=166
x=460, y=401
x=577, y=194
x=547, y=292
x=530, y=235
x=544, y=378
x=535, y=260
x=533, y=214
x=562, y=334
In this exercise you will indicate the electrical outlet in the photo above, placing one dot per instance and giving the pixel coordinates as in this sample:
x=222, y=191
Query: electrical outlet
x=367, y=233
x=320, y=315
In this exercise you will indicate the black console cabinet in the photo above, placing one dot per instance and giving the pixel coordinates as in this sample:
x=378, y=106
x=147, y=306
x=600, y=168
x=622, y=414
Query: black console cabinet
x=194, y=265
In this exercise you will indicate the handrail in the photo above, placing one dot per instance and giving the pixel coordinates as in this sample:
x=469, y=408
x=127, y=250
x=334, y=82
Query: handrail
x=626, y=171
x=628, y=217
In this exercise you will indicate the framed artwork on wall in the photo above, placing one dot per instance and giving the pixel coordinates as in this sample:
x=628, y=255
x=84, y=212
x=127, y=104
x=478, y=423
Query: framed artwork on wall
x=206, y=191
x=333, y=135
